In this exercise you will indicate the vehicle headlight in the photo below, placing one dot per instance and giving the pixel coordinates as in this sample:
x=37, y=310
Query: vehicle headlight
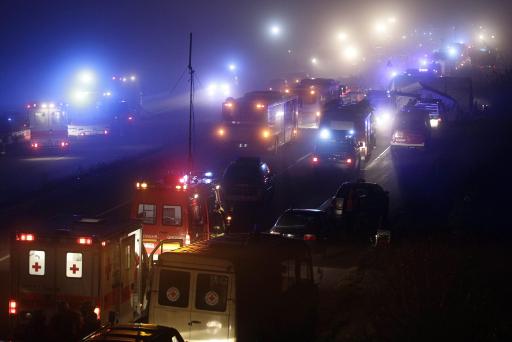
x=325, y=134
x=221, y=132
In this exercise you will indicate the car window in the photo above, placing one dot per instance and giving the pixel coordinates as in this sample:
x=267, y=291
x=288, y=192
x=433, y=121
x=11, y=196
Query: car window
x=173, y=288
x=147, y=212
x=242, y=174
x=211, y=292
x=171, y=215
x=298, y=219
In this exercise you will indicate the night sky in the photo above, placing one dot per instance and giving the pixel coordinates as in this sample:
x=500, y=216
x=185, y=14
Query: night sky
x=45, y=42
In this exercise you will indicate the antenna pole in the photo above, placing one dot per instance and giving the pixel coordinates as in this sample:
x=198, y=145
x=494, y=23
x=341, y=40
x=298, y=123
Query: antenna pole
x=191, y=104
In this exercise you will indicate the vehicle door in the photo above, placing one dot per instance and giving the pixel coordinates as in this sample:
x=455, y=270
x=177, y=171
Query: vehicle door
x=33, y=279
x=128, y=276
x=172, y=300
x=210, y=314
x=77, y=272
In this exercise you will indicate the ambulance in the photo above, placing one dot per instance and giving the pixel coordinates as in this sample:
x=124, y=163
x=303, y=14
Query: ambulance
x=82, y=260
x=178, y=209
x=238, y=287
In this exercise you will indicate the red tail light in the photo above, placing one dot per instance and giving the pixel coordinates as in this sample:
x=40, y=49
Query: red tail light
x=84, y=241
x=315, y=159
x=349, y=161
x=309, y=237
x=25, y=237
x=13, y=307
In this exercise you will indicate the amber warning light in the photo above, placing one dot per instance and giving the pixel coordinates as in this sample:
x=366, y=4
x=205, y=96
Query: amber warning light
x=84, y=241
x=25, y=237
x=12, y=307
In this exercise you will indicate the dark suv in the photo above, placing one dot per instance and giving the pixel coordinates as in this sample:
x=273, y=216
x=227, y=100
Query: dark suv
x=247, y=180
x=361, y=206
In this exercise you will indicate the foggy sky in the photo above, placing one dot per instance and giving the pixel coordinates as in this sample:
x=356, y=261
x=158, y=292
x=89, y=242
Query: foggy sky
x=44, y=42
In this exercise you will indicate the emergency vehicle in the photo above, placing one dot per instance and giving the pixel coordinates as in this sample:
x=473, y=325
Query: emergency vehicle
x=88, y=260
x=313, y=93
x=238, y=287
x=48, y=124
x=179, y=210
x=352, y=120
x=260, y=120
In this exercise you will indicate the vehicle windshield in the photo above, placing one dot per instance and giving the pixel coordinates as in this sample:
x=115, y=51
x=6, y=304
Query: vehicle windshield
x=335, y=147
x=298, y=219
x=414, y=121
x=240, y=173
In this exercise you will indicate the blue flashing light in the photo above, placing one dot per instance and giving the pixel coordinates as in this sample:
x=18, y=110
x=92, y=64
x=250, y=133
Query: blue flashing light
x=351, y=132
x=325, y=134
x=208, y=174
x=452, y=52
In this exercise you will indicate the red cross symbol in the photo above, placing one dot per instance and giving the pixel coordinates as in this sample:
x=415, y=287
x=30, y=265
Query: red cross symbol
x=37, y=267
x=212, y=297
x=74, y=269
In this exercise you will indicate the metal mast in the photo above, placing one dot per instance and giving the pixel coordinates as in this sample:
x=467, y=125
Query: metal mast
x=191, y=105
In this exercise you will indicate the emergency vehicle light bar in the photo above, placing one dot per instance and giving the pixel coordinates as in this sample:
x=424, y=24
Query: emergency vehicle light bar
x=25, y=237
x=141, y=185
x=84, y=241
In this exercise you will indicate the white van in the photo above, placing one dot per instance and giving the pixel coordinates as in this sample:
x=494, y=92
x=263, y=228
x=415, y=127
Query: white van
x=236, y=288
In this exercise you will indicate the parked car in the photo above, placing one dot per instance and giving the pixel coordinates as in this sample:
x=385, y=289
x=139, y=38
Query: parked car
x=310, y=225
x=136, y=332
x=360, y=206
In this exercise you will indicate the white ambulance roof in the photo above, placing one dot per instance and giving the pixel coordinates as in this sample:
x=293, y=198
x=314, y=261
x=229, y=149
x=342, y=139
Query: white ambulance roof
x=227, y=251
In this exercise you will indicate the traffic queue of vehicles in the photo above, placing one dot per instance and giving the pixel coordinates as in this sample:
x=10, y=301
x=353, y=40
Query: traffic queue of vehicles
x=176, y=263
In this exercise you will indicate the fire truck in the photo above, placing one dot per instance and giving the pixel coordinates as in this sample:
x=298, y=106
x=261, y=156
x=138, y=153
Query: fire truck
x=313, y=93
x=354, y=120
x=48, y=124
x=179, y=210
x=76, y=260
x=260, y=121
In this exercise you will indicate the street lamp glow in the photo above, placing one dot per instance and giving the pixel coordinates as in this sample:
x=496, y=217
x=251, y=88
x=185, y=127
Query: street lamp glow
x=380, y=27
x=275, y=30
x=232, y=67
x=314, y=61
x=133, y=78
x=342, y=36
x=481, y=37
x=350, y=53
